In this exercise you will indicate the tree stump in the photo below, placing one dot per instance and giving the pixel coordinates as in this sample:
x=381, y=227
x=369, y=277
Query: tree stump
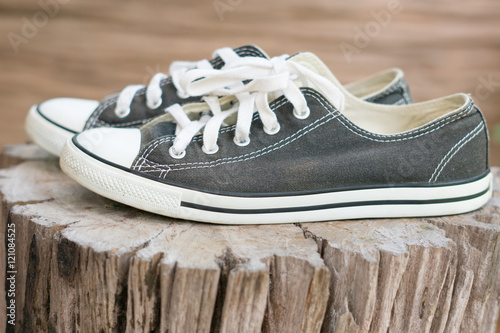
x=82, y=263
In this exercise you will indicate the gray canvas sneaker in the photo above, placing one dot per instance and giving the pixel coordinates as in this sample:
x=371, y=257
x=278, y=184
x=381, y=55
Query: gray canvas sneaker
x=293, y=146
x=51, y=123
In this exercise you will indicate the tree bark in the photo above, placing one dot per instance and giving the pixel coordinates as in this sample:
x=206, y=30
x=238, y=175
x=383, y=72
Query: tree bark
x=87, y=264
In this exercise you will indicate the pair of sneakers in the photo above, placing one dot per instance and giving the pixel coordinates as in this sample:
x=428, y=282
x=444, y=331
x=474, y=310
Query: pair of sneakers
x=248, y=139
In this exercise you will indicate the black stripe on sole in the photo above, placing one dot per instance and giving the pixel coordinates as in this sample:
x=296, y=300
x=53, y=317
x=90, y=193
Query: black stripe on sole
x=332, y=205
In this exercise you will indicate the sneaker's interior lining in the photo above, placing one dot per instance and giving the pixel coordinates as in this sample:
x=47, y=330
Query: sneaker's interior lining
x=374, y=84
x=387, y=119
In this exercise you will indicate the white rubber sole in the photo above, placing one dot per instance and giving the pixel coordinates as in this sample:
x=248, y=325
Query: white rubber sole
x=46, y=134
x=164, y=199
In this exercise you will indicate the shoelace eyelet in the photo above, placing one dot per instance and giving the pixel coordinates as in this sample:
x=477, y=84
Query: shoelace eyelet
x=210, y=151
x=173, y=153
x=273, y=130
x=182, y=94
x=122, y=113
x=155, y=105
x=241, y=143
x=302, y=115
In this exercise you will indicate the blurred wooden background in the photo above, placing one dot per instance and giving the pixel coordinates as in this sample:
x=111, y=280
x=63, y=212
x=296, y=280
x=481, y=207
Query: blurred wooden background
x=89, y=48
x=86, y=49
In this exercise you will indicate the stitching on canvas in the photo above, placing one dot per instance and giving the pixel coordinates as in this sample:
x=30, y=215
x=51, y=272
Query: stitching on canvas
x=400, y=85
x=153, y=145
x=356, y=130
x=270, y=147
x=406, y=93
x=454, y=150
x=150, y=149
x=101, y=108
x=402, y=101
x=331, y=111
x=244, y=156
x=97, y=113
x=444, y=122
x=263, y=152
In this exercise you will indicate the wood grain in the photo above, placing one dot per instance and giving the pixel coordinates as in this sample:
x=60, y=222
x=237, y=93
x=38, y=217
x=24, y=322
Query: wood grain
x=90, y=48
x=87, y=264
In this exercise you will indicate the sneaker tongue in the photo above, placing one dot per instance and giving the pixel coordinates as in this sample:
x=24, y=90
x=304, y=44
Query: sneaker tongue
x=335, y=91
x=312, y=62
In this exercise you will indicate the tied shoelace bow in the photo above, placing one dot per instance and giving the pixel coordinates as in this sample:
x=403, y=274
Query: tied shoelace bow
x=176, y=70
x=252, y=81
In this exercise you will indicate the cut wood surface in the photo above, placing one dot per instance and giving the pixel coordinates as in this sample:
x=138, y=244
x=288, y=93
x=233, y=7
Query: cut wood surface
x=88, y=264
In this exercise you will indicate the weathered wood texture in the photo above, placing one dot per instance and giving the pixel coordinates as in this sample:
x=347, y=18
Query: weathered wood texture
x=87, y=264
x=14, y=154
x=90, y=48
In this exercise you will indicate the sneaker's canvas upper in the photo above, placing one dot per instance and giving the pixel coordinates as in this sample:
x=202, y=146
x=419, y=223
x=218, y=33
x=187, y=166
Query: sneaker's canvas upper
x=343, y=142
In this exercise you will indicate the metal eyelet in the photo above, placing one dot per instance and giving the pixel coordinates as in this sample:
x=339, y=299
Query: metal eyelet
x=273, y=130
x=182, y=94
x=302, y=115
x=210, y=151
x=155, y=105
x=122, y=113
x=174, y=154
x=241, y=143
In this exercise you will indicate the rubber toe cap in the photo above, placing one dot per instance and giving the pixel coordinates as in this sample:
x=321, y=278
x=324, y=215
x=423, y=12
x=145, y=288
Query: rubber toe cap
x=116, y=145
x=68, y=113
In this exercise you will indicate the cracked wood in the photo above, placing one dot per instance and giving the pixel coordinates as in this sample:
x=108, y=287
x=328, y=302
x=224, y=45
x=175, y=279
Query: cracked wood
x=88, y=264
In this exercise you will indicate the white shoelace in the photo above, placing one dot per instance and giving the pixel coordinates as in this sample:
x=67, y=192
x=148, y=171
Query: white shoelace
x=177, y=70
x=267, y=79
